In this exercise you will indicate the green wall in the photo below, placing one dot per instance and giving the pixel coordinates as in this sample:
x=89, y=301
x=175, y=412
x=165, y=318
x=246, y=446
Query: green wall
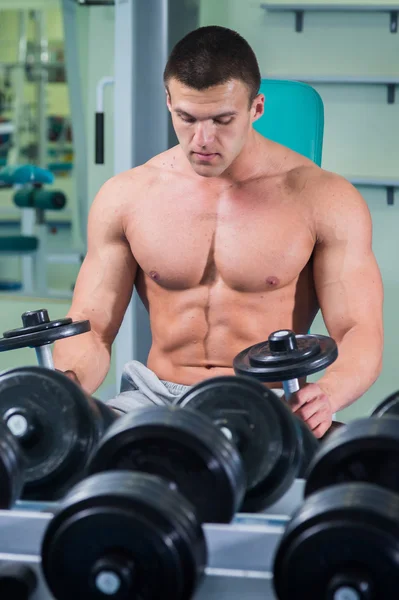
x=361, y=129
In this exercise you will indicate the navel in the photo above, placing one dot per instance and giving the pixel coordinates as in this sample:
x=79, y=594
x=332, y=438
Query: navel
x=272, y=281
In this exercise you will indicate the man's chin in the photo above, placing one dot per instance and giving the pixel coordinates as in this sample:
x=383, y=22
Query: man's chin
x=207, y=170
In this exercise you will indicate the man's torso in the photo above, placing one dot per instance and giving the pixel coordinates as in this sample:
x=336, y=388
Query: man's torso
x=221, y=266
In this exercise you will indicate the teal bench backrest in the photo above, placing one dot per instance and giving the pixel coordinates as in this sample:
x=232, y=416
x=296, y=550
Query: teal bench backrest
x=294, y=117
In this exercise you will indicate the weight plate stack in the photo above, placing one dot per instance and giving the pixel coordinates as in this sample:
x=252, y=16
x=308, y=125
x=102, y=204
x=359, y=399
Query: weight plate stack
x=38, y=330
x=55, y=425
x=286, y=356
x=365, y=450
x=123, y=535
x=182, y=447
x=260, y=427
x=342, y=543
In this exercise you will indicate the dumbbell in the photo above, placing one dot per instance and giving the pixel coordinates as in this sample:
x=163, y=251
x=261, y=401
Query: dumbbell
x=55, y=424
x=366, y=449
x=39, y=332
x=287, y=357
x=341, y=544
x=350, y=517
x=229, y=438
x=121, y=535
x=274, y=445
x=184, y=448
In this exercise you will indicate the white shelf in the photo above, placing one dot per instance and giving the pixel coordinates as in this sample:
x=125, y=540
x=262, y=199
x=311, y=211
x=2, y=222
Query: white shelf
x=388, y=80
x=335, y=6
x=367, y=79
x=373, y=181
x=390, y=183
x=300, y=7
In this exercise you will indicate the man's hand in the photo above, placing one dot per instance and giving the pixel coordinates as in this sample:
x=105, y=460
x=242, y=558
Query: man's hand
x=312, y=405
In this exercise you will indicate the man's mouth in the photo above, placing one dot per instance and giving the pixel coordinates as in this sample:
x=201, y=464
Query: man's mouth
x=206, y=155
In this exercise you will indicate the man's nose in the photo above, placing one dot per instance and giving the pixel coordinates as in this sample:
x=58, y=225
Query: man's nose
x=204, y=134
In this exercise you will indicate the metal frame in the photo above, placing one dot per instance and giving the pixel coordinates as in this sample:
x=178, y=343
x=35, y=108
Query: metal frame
x=41, y=92
x=239, y=565
x=240, y=554
x=73, y=73
x=141, y=128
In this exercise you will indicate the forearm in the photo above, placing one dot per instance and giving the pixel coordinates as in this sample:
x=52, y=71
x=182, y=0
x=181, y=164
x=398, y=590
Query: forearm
x=357, y=367
x=87, y=356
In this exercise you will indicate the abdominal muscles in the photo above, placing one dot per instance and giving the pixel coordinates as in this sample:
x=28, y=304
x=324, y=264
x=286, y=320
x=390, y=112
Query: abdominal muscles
x=206, y=326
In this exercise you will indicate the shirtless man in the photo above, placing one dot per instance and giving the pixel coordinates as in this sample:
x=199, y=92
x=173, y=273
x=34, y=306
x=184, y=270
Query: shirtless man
x=227, y=237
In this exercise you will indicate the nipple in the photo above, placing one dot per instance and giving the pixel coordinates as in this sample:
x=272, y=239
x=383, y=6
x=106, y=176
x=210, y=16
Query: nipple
x=272, y=281
x=154, y=275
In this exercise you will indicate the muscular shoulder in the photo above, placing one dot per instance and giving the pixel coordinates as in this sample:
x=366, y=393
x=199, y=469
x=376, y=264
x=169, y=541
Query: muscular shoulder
x=113, y=201
x=122, y=192
x=335, y=206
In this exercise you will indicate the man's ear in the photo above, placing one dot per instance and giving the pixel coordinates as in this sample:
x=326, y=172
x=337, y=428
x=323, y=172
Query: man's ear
x=258, y=107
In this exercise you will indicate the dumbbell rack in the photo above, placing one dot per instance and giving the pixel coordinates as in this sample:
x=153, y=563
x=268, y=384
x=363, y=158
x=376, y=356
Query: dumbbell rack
x=240, y=554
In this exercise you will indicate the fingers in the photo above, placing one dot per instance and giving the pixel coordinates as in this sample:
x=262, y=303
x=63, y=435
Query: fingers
x=309, y=409
x=321, y=429
x=304, y=396
x=316, y=420
x=312, y=405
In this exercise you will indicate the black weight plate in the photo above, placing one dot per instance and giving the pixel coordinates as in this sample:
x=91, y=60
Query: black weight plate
x=315, y=352
x=182, y=447
x=243, y=407
x=266, y=354
x=12, y=466
x=349, y=534
x=17, y=581
x=364, y=450
x=308, y=446
x=61, y=428
x=35, y=328
x=389, y=406
x=140, y=517
x=47, y=336
x=284, y=470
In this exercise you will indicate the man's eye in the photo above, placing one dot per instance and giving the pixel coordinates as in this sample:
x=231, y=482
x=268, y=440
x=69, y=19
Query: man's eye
x=187, y=120
x=219, y=122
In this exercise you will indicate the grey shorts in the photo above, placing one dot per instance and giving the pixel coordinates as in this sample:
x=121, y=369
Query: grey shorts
x=141, y=387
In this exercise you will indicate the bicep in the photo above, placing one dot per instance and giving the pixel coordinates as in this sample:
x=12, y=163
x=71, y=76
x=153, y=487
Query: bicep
x=347, y=277
x=105, y=282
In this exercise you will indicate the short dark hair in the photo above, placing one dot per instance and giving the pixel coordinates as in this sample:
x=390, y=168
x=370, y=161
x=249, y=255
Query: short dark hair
x=211, y=56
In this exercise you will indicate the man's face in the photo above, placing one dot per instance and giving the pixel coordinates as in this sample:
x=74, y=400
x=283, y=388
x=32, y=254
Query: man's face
x=212, y=125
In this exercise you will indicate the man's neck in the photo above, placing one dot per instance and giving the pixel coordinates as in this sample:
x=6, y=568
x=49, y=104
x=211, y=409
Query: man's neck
x=247, y=165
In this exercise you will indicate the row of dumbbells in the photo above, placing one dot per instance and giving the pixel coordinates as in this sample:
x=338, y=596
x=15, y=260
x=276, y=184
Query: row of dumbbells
x=59, y=426
x=228, y=437
x=148, y=479
x=137, y=507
